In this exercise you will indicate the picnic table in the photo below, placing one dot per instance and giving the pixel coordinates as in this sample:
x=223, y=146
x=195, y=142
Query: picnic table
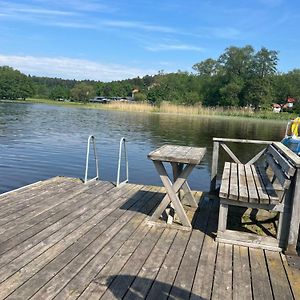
x=183, y=160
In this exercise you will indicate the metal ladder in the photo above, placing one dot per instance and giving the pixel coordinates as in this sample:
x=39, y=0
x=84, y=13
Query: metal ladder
x=122, y=143
x=122, y=146
x=86, y=180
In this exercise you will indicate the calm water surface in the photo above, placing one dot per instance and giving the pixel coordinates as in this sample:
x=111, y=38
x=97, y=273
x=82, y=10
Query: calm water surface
x=39, y=141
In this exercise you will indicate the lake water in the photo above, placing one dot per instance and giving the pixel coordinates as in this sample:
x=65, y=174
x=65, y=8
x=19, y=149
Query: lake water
x=40, y=141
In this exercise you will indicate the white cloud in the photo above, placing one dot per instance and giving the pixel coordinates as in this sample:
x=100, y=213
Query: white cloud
x=173, y=47
x=69, y=68
x=137, y=25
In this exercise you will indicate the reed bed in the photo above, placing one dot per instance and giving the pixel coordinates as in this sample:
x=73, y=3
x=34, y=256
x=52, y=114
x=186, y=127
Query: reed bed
x=169, y=108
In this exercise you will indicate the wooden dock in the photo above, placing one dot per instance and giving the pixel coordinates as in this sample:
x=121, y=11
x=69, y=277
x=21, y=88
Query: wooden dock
x=61, y=239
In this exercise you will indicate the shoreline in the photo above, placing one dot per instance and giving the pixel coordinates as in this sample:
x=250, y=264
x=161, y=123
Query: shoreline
x=167, y=108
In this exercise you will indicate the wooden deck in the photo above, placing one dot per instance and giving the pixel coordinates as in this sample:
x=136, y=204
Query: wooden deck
x=60, y=239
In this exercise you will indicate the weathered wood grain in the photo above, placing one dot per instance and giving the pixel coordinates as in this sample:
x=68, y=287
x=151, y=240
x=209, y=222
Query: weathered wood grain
x=278, y=278
x=261, y=286
x=222, y=287
x=178, y=154
x=99, y=245
x=241, y=285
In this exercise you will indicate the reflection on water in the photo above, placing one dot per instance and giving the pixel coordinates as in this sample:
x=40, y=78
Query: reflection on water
x=39, y=141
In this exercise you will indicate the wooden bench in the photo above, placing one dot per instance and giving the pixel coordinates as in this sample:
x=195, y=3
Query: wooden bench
x=260, y=187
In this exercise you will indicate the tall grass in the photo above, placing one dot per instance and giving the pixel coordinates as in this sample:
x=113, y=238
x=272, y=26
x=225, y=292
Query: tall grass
x=166, y=107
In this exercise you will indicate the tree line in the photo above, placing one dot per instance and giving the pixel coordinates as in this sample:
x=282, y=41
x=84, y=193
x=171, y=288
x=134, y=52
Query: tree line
x=239, y=77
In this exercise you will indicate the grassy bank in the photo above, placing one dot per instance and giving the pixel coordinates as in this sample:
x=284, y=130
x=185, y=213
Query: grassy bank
x=172, y=109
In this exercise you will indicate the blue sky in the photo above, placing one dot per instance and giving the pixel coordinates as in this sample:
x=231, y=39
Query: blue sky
x=111, y=40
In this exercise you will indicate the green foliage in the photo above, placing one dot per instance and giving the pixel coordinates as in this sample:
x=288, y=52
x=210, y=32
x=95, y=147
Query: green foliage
x=140, y=97
x=14, y=84
x=82, y=92
x=59, y=92
x=239, y=77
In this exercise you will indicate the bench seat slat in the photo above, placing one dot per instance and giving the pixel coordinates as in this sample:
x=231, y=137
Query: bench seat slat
x=247, y=183
x=234, y=187
x=225, y=181
x=251, y=183
x=243, y=189
x=263, y=196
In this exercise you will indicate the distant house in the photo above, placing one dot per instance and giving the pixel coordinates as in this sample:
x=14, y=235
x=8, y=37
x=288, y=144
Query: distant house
x=290, y=102
x=286, y=106
x=133, y=92
x=276, y=108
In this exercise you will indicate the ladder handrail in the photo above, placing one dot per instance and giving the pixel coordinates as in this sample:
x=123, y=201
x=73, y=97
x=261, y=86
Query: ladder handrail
x=122, y=143
x=91, y=139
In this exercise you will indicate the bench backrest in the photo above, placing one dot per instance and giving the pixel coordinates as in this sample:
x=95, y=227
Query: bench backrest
x=282, y=168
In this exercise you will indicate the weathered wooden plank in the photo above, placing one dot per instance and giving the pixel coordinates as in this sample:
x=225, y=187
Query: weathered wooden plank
x=195, y=155
x=214, y=167
x=178, y=154
x=268, y=186
x=163, y=151
x=242, y=141
x=261, y=287
x=172, y=194
x=92, y=281
x=31, y=211
x=256, y=157
x=241, y=285
x=234, y=186
x=183, y=282
x=243, y=185
x=278, y=278
x=92, y=258
x=293, y=277
x=176, y=186
x=230, y=153
x=27, y=200
x=166, y=275
x=37, y=235
x=224, y=189
x=103, y=277
x=203, y=281
x=27, y=189
x=279, y=173
x=288, y=153
x=285, y=165
x=295, y=216
x=205, y=272
x=248, y=240
x=261, y=191
x=84, y=235
x=122, y=282
x=144, y=279
x=251, y=183
x=22, y=229
x=222, y=287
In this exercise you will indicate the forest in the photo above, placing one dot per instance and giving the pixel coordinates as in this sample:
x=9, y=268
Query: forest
x=239, y=77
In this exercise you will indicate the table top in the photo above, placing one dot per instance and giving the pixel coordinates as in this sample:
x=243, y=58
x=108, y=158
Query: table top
x=178, y=154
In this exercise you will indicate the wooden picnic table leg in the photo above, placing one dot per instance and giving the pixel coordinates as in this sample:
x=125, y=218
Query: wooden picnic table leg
x=171, y=192
x=177, y=169
x=166, y=200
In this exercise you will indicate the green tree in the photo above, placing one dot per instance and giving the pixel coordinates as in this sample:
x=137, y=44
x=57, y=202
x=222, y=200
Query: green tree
x=208, y=67
x=82, y=92
x=59, y=92
x=14, y=84
x=140, y=97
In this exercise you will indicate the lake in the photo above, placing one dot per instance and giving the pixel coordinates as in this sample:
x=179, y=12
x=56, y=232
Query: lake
x=39, y=141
